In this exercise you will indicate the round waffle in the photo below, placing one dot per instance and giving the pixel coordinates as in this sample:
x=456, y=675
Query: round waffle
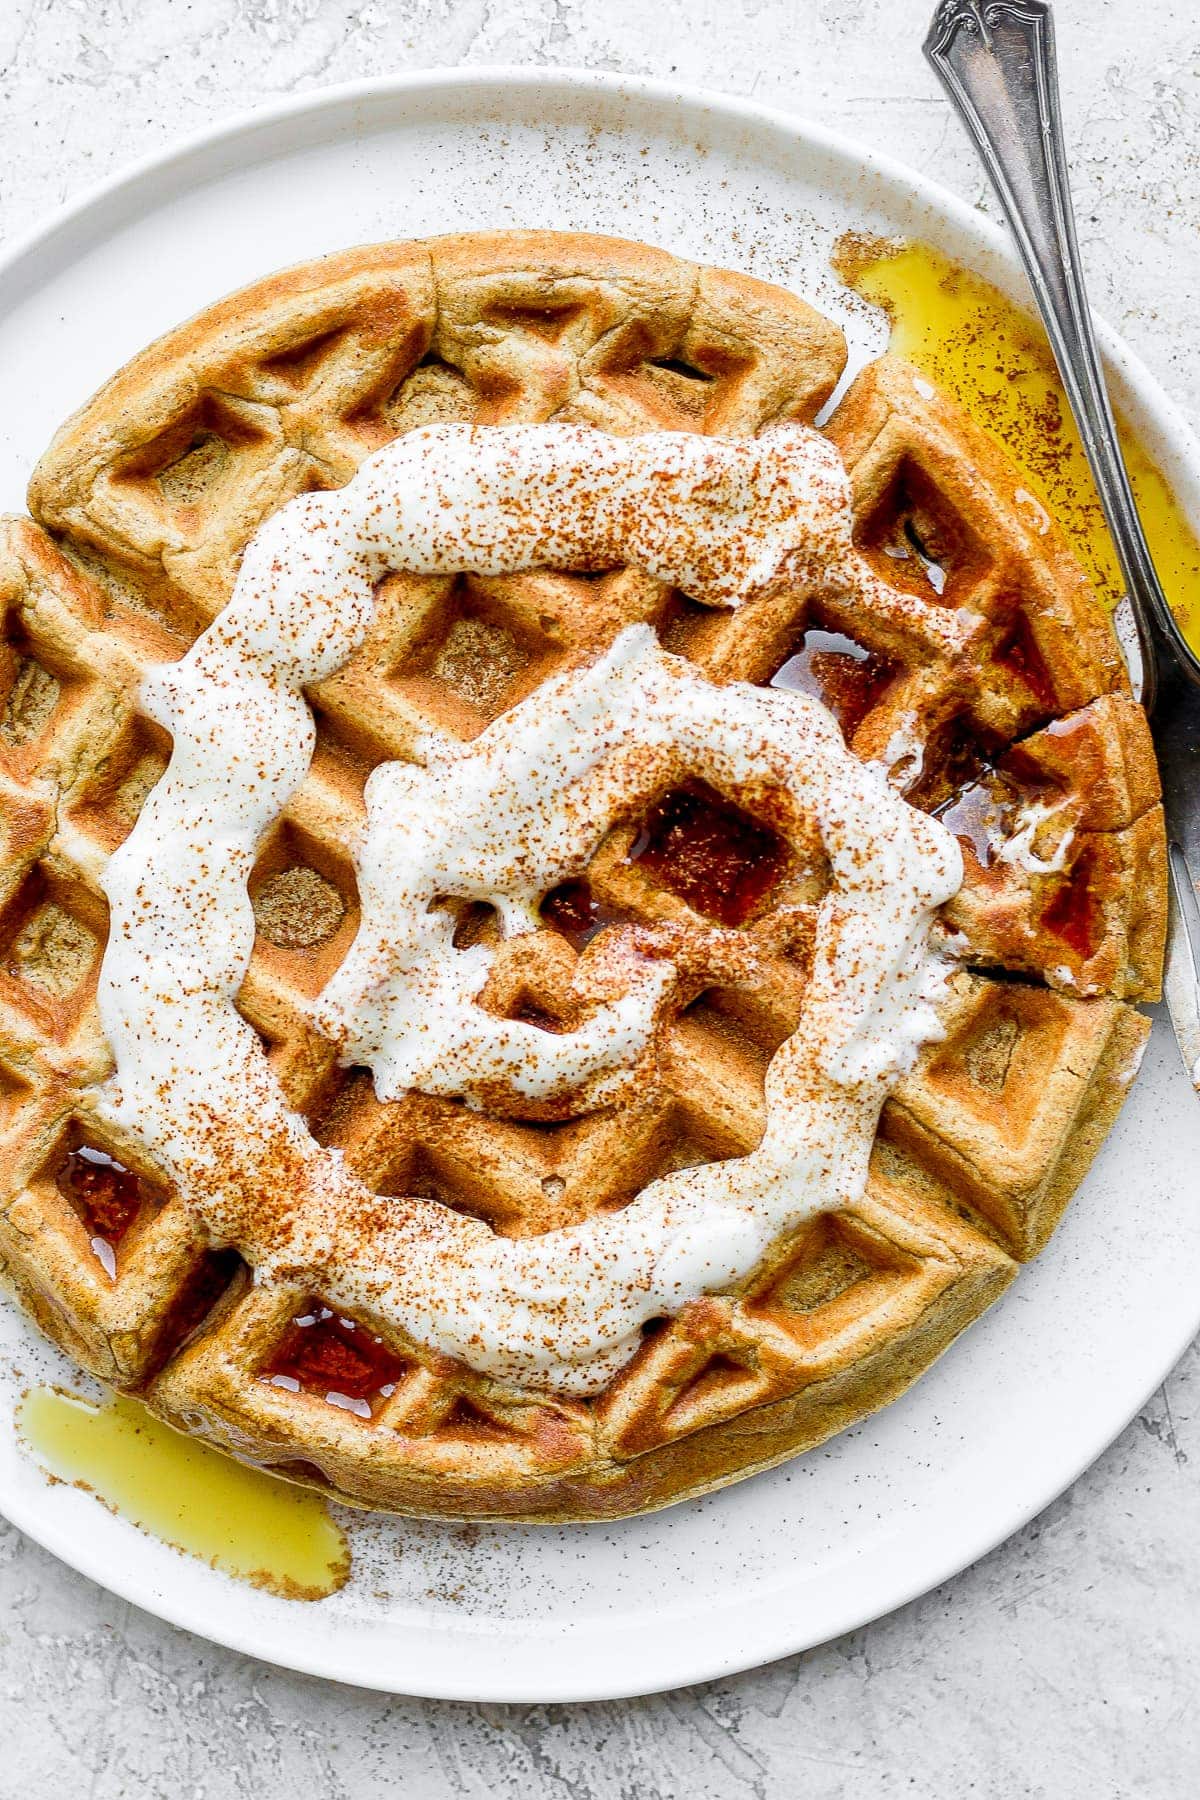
x=985, y=676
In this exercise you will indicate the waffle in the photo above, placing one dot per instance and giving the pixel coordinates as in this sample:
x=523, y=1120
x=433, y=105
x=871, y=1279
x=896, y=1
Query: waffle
x=987, y=679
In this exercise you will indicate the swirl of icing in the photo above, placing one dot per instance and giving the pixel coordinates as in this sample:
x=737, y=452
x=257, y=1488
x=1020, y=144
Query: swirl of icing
x=502, y=819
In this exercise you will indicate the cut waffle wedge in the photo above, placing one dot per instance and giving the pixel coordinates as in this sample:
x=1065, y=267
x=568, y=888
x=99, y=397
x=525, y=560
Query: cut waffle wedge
x=992, y=689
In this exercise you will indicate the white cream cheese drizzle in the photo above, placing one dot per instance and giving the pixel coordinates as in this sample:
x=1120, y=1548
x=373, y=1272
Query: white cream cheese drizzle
x=1017, y=848
x=523, y=808
x=502, y=819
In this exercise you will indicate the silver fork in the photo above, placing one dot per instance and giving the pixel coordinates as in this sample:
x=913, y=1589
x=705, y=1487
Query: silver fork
x=995, y=59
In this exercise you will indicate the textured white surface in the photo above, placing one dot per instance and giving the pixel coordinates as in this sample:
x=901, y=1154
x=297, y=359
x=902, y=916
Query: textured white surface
x=1063, y=1664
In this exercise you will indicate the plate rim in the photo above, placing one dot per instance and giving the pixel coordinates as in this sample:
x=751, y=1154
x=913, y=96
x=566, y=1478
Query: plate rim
x=99, y=206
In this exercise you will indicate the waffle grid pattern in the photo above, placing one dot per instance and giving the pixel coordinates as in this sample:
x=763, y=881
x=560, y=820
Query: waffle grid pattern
x=988, y=679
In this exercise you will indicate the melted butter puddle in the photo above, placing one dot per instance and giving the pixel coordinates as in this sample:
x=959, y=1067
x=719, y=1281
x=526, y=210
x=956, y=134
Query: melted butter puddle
x=239, y=1520
x=966, y=336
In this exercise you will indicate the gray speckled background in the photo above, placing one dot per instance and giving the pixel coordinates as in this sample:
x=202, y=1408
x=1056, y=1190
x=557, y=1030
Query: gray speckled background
x=1064, y=1664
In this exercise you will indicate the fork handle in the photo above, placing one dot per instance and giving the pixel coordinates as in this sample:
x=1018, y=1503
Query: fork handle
x=995, y=59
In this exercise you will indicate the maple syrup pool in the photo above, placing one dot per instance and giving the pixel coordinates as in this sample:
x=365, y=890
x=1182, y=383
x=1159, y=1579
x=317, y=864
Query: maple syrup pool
x=241, y=1521
x=993, y=358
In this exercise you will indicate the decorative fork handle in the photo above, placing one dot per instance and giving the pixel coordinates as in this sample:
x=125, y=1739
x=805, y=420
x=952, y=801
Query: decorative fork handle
x=995, y=58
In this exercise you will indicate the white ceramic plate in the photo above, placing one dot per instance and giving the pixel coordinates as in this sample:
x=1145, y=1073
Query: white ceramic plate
x=1036, y=1390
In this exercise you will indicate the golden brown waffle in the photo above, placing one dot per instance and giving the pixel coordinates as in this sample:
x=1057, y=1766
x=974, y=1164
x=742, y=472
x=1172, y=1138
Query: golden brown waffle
x=993, y=686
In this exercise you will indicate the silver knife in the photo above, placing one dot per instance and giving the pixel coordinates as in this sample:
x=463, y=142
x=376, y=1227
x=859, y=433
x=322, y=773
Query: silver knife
x=995, y=59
